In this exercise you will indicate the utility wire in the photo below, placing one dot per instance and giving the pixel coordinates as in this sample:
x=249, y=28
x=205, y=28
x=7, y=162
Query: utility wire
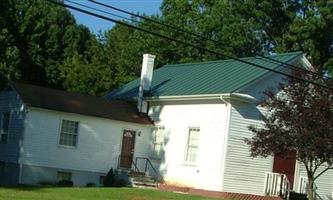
x=102, y=11
x=185, y=43
x=149, y=19
x=199, y=36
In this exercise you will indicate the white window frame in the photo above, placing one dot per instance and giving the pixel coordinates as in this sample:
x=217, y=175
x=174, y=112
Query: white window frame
x=156, y=142
x=188, y=147
x=68, y=133
x=2, y=132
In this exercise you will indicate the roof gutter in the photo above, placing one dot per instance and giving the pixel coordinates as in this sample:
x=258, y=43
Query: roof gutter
x=238, y=97
x=225, y=97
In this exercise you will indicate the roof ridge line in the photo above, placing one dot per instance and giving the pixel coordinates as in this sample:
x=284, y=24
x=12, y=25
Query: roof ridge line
x=230, y=60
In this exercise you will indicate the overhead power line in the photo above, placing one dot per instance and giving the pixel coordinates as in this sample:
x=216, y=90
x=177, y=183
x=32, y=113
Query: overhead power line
x=185, y=43
x=199, y=36
x=148, y=19
x=102, y=11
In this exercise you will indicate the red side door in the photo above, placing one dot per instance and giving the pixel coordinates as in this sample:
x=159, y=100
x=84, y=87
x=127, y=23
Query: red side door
x=286, y=165
x=127, y=149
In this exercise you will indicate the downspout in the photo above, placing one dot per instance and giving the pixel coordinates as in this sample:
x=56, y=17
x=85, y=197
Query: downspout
x=23, y=109
x=225, y=142
x=223, y=100
x=226, y=98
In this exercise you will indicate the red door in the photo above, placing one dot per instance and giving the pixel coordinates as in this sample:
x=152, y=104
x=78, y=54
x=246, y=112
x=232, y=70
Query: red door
x=127, y=149
x=285, y=165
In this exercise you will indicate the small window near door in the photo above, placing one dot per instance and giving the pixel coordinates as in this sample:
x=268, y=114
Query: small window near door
x=192, y=146
x=69, y=133
x=101, y=180
x=4, y=126
x=158, y=142
x=2, y=167
x=64, y=176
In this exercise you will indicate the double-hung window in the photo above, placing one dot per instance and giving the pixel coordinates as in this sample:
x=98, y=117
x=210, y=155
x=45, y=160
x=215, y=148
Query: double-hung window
x=64, y=176
x=4, y=126
x=158, y=145
x=69, y=133
x=192, y=146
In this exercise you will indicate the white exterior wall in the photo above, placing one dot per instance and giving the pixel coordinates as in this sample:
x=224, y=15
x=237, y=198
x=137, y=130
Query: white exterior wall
x=11, y=102
x=211, y=118
x=324, y=183
x=98, y=147
x=242, y=173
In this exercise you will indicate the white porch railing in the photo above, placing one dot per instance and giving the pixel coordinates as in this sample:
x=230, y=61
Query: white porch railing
x=303, y=187
x=303, y=184
x=277, y=185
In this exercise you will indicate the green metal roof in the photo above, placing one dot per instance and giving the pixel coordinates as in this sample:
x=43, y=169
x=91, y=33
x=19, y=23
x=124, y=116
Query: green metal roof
x=215, y=77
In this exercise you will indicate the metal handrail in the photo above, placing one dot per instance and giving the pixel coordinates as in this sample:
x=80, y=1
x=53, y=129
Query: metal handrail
x=147, y=161
x=136, y=167
x=132, y=162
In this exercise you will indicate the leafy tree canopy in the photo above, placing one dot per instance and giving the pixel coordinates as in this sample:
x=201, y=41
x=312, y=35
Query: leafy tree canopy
x=41, y=43
x=37, y=39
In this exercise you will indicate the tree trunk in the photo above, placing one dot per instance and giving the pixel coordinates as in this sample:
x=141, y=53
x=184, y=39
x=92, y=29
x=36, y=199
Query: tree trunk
x=310, y=188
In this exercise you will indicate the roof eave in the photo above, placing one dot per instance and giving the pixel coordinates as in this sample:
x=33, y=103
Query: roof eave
x=144, y=123
x=225, y=97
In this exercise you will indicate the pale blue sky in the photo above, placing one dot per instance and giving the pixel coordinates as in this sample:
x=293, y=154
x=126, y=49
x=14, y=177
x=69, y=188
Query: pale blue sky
x=94, y=24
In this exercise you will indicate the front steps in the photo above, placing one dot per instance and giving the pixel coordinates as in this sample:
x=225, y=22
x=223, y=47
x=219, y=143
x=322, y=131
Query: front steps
x=141, y=180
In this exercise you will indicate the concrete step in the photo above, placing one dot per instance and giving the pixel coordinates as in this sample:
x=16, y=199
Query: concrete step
x=142, y=180
x=144, y=184
x=135, y=174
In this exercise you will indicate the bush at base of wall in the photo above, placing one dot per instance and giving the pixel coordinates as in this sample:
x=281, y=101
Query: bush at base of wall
x=111, y=181
x=65, y=183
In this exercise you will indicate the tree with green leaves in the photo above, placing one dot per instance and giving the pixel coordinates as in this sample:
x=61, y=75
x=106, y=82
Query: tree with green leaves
x=41, y=42
x=294, y=26
x=38, y=40
x=90, y=74
x=240, y=29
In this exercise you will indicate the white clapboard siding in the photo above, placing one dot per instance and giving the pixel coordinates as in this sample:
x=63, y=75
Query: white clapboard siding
x=98, y=147
x=11, y=102
x=324, y=182
x=211, y=118
x=242, y=173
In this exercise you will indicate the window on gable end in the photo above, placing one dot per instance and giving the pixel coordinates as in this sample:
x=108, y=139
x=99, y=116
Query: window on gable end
x=158, y=142
x=192, y=146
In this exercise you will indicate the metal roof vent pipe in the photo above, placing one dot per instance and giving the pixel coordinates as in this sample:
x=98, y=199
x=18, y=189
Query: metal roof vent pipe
x=145, y=81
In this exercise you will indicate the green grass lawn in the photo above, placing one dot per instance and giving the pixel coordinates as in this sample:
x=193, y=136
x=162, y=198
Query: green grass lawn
x=35, y=193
